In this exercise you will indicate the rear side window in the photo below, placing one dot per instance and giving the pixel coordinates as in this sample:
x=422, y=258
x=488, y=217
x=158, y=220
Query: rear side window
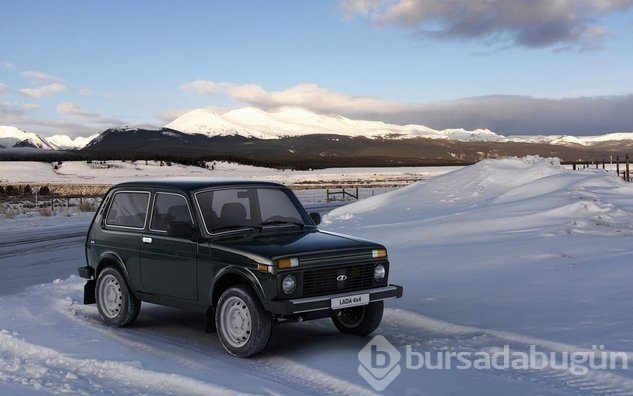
x=169, y=208
x=128, y=209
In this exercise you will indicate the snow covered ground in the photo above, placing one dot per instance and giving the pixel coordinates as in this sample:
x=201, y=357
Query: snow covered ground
x=81, y=172
x=515, y=252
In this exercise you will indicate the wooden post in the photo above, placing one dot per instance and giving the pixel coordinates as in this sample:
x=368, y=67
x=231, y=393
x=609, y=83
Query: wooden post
x=574, y=166
x=617, y=165
x=628, y=175
x=603, y=164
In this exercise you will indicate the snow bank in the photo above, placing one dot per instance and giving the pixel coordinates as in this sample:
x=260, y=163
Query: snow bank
x=496, y=197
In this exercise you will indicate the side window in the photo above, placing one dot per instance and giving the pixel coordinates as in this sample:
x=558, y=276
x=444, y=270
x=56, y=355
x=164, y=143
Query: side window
x=169, y=208
x=128, y=209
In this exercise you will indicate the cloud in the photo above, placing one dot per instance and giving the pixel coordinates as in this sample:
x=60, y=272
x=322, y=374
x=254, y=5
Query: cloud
x=85, y=92
x=170, y=115
x=40, y=77
x=305, y=95
x=6, y=64
x=22, y=116
x=3, y=88
x=45, y=90
x=9, y=110
x=72, y=110
x=504, y=114
x=523, y=115
x=531, y=24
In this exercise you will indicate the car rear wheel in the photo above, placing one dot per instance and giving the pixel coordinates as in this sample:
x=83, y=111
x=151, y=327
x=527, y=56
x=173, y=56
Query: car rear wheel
x=242, y=323
x=361, y=320
x=116, y=303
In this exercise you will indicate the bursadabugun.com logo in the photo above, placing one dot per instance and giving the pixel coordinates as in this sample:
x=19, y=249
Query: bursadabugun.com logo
x=379, y=363
x=379, y=360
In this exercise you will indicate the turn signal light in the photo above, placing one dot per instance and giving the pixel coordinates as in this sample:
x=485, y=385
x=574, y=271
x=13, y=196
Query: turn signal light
x=379, y=253
x=286, y=263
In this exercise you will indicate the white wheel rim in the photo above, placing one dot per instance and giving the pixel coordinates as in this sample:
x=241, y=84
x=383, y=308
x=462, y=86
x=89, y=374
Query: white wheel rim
x=236, y=323
x=110, y=296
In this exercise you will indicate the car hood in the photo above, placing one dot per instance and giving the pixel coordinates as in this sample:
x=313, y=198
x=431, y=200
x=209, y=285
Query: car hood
x=267, y=247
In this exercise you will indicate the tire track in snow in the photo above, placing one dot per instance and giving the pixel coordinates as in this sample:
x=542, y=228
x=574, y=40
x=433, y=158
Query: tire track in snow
x=44, y=368
x=300, y=378
x=468, y=338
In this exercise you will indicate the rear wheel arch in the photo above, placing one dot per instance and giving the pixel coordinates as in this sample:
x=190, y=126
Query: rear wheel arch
x=111, y=261
x=114, y=262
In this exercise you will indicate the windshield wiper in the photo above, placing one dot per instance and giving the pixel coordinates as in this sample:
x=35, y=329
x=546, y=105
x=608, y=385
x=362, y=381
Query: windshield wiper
x=235, y=227
x=281, y=222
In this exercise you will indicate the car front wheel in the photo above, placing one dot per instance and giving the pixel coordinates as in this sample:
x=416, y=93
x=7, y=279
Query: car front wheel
x=242, y=323
x=361, y=320
x=116, y=303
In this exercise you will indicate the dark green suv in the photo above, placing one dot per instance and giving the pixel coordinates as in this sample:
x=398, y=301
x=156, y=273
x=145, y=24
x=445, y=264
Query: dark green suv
x=245, y=253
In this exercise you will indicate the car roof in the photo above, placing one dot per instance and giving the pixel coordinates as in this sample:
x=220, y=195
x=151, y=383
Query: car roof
x=195, y=183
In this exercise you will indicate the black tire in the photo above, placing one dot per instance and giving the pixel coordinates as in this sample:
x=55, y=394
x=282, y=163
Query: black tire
x=361, y=320
x=242, y=323
x=116, y=303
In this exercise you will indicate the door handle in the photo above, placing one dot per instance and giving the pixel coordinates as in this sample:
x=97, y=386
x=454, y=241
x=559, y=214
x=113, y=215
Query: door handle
x=147, y=240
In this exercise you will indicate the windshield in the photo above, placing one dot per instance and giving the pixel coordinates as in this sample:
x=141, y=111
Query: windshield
x=250, y=208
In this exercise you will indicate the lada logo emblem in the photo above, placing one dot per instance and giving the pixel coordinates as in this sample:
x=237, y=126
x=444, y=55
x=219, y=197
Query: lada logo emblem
x=341, y=278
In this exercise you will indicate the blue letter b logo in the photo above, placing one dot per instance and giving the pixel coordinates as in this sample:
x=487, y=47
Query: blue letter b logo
x=379, y=359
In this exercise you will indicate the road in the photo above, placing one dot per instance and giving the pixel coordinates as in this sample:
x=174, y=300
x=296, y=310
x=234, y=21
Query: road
x=36, y=256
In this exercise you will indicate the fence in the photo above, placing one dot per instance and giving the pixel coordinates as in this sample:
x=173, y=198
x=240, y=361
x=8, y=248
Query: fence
x=50, y=202
x=625, y=174
x=333, y=195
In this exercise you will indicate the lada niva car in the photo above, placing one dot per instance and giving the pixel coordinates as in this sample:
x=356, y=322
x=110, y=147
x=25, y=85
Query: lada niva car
x=244, y=253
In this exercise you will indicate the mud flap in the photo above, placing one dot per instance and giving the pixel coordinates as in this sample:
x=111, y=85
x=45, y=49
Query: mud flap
x=89, y=292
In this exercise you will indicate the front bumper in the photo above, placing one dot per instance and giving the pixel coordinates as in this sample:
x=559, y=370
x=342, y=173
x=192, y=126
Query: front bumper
x=322, y=303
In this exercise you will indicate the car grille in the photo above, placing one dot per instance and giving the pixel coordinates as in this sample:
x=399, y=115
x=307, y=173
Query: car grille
x=323, y=280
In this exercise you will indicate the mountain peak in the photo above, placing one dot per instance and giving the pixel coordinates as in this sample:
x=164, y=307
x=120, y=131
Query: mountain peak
x=11, y=136
x=298, y=121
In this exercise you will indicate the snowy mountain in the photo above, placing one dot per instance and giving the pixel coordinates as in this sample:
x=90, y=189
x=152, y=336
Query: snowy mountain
x=295, y=121
x=65, y=142
x=14, y=137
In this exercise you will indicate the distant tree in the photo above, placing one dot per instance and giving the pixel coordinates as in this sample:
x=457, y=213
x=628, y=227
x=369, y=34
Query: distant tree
x=44, y=190
x=10, y=190
x=1, y=190
x=27, y=190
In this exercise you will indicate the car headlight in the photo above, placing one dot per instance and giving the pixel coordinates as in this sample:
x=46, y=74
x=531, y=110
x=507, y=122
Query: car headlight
x=289, y=284
x=379, y=273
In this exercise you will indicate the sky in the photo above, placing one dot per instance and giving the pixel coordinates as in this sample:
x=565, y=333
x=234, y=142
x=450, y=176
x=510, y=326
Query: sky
x=515, y=67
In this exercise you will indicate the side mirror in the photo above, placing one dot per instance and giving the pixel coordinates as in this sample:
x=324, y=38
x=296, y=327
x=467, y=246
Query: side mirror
x=180, y=229
x=316, y=218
